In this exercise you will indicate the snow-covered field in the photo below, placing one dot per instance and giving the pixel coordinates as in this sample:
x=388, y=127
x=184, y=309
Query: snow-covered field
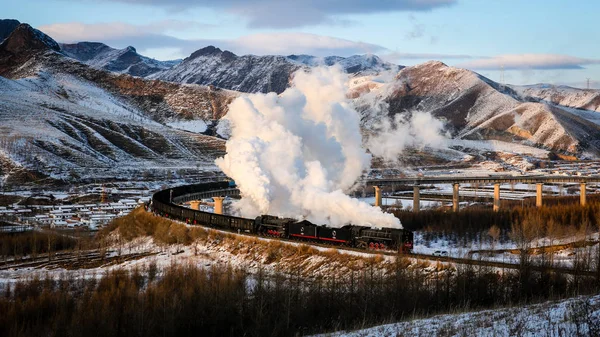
x=196, y=126
x=572, y=317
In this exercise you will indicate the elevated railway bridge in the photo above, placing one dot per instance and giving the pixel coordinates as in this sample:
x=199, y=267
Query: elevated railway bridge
x=496, y=181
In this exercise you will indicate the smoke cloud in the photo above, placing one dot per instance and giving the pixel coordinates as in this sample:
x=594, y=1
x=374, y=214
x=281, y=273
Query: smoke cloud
x=415, y=129
x=295, y=154
x=387, y=137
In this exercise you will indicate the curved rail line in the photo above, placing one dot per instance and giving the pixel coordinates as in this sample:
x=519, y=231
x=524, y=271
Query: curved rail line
x=166, y=201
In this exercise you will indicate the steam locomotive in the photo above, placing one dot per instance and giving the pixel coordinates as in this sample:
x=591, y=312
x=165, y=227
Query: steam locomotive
x=362, y=237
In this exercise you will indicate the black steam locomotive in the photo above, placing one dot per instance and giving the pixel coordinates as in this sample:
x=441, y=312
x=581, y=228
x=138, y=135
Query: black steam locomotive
x=363, y=237
x=353, y=236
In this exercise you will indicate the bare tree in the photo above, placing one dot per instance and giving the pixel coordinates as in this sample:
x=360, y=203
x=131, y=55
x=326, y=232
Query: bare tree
x=494, y=233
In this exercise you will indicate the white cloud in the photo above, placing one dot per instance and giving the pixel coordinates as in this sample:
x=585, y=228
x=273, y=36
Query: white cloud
x=296, y=13
x=529, y=61
x=299, y=43
x=77, y=31
x=398, y=56
x=153, y=40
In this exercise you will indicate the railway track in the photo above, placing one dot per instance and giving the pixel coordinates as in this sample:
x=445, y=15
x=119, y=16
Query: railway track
x=458, y=260
x=506, y=265
x=73, y=260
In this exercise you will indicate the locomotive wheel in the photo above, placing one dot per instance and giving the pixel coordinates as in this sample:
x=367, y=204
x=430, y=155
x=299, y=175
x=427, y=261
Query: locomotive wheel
x=371, y=246
x=362, y=245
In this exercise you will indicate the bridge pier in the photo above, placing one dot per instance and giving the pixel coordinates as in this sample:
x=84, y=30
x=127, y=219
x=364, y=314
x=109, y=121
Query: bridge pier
x=538, y=195
x=195, y=204
x=377, y=196
x=582, y=193
x=416, y=198
x=218, y=205
x=455, y=205
x=496, y=197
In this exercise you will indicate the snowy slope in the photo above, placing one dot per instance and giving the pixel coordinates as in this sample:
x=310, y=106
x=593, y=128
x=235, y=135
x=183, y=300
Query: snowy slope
x=572, y=317
x=127, y=60
x=584, y=99
x=66, y=127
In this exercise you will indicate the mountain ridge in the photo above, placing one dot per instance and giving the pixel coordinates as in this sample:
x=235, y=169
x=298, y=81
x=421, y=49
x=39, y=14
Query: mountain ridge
x=251, y=73
x=477, y=108
x=126, y=60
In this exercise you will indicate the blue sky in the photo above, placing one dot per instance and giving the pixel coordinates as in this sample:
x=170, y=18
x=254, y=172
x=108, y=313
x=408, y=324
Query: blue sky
x=549, y=41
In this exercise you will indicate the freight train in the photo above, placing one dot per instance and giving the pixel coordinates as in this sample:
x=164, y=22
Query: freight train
x=362, y=237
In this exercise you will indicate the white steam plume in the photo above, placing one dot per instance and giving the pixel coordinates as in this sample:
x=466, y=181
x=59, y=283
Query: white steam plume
x=295, y=154
x=414, y=129
x=389, y=137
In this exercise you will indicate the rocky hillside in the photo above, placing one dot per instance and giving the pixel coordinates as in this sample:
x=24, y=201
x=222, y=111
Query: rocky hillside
x=63, y=119
x=251, y=73
x=476, y=108
x=561, y=95
x=127, y=60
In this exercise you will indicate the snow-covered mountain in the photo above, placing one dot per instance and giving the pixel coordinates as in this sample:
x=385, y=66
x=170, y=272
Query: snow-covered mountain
x=60, y=116
x=127, y=60
x=63, y=119
x=251, y=73
x=477, y=108
x=585, y=99
x=355, y=64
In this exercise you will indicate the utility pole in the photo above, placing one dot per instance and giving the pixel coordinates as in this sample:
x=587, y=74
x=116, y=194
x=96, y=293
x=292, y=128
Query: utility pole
x=588, y=82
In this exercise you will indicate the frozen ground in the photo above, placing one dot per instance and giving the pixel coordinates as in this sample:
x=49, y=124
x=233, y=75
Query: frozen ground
x=572, y=317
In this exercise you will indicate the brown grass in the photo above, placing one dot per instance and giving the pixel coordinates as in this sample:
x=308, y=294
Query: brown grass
x=280, y=254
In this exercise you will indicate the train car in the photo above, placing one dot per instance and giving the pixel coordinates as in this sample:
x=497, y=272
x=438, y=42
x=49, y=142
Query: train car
x=172, y=212
x=302, y=230
x=220, y=221
x=242, y=225
x=202, y=218
x=188, y=215
x=340, y=236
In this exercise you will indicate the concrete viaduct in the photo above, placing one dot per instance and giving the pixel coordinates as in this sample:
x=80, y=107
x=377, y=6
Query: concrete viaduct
x=495, y=180
x=217, y=195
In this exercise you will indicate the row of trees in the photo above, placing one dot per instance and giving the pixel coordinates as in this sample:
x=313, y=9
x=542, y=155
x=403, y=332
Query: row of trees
x=473, y=223
x=187, y=300
x=34, y=243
